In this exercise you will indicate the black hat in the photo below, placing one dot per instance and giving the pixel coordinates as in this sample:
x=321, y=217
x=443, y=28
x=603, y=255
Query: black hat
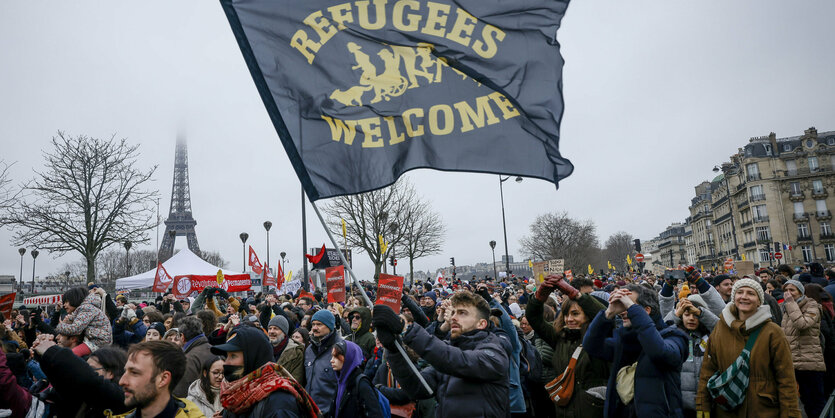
x=254, y=344
x=717, y=280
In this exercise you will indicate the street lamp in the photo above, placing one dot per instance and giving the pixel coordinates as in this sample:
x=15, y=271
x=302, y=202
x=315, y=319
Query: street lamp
x=393, y=229
x=67, y=276
x=504, y=222
x=128, y=244
x=267, y=226
x=21, y=251
x=282, y=255
x=244, y=236
x=493, y=247
x=34, y=256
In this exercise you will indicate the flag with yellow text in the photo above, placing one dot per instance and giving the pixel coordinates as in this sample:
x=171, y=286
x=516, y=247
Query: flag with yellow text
x=362, y=91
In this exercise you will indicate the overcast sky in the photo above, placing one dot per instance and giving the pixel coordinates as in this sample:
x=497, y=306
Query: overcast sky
x=656, y=94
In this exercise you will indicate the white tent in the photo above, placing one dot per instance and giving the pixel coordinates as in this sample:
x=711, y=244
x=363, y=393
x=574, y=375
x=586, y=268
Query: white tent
x=182, y=263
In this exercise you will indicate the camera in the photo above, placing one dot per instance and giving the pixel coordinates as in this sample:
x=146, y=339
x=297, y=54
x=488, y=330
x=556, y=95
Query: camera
x=674, y=275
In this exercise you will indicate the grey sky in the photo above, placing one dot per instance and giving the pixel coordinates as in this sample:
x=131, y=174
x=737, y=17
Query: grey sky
x=656, y=94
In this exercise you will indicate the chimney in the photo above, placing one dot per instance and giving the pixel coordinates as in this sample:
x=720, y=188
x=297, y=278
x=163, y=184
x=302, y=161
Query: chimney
x=811, y=132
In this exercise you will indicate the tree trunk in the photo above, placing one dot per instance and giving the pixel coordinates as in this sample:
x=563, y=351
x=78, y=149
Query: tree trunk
x=377, y=269
x=91, y=267
x=411, y=272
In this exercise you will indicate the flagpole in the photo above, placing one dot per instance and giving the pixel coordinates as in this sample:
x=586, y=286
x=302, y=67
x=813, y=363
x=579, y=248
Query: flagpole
x=367, y=299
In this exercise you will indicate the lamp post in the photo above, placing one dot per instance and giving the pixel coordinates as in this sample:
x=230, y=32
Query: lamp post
x=504, y=222
x=393, y=230
x=67, y=276
x=21, y=251
x=128, y=244
x=493, y=248
x=282, y=255
x=244, y=236
x=267, y=226
x=34, y=256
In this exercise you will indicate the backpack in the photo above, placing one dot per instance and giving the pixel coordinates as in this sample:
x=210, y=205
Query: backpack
x=385, y=406
x=530, y=362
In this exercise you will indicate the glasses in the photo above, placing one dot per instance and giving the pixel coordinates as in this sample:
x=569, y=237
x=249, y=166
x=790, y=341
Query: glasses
x=217, y=373
x=357, y=316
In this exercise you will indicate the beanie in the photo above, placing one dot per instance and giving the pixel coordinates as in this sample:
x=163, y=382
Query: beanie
x=280, y=322
x=685, y=291
x=431, y=295
x=718, y=279
x=325, y=317
x=159, y=327
x=598, y=284
x=796, y=284
x=804, y=278
x=123, y=298
x=748, y=283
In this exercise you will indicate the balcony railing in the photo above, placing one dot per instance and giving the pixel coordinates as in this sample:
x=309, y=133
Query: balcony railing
x=804, y=237
x=757, y=197
x=805, y=171
x=743, y=203
x=823, y=214
x=827, y=235
x=819, y=193
x=753, y=176
x=764, y=240
x=760, y=219
x=801, y=217
x=750, y=244
x=796, y=195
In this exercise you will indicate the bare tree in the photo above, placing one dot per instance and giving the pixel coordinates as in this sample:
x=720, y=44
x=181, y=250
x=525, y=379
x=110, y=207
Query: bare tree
x=89, y=197
x=6, y=193
x=558, y=236
x=213, y=258
x=618, y=246
x=369, y=215
x=423, y=233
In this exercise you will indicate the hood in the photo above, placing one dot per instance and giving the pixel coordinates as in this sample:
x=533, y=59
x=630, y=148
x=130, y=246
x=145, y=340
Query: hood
x=92, y=299
x=365, y=325
x=252, y=342
x=353, y=359
x=763, y=314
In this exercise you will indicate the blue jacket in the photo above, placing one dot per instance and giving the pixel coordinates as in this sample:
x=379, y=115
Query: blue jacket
x=517, y=398
x=320, y=378
x=659, y=351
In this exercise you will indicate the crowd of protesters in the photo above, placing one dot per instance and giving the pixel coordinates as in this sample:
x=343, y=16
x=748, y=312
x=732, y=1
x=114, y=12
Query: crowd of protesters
x=615, y=345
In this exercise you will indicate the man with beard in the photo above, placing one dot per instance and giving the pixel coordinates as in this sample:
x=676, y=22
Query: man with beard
x=152, y=371
x=255, y=386
x=469, y=376
x=320, y=379
x=286, y=352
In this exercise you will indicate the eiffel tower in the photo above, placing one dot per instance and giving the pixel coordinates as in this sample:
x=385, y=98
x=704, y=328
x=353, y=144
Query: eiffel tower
x=180, y=221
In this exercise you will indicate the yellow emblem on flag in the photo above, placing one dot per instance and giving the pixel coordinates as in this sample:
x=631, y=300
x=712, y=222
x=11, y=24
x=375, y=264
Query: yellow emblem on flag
x=628, y=260
x=530, y=264
x=219, y=277
x=610, y=265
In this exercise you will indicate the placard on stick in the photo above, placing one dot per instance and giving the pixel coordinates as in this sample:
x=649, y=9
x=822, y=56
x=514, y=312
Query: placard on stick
x=744, y=268
x=542, y=269
x=389, y=290
x=335, y=278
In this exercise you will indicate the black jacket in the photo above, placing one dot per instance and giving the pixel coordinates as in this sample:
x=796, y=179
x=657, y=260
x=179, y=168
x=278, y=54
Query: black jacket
x=359, y=399
x=468, y=376
x=279, y=404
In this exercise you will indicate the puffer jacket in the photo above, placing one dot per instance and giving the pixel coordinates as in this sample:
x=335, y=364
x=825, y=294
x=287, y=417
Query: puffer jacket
x=468, y=376
x=589, y=372
x=363, y=336
x=802, y=325
x=196, y=395
x=320, y=379
x=772, y=388
x=88, y=320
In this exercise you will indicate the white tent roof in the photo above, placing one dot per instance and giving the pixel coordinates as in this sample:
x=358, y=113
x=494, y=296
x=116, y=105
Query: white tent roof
x=184, y=262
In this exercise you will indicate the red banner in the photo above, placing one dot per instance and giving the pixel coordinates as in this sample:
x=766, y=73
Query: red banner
x=279, y=276
x=335, y=279
x=389, y=290
x=190, y=285
x=6, y=304
x=161, y=279
x=254, y=262
x=269, y=280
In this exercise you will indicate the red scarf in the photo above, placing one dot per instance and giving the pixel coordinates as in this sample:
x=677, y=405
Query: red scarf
x=241, y=395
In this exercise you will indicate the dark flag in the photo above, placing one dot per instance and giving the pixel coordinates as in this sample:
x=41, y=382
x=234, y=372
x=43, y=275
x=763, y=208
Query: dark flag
x=361, y=92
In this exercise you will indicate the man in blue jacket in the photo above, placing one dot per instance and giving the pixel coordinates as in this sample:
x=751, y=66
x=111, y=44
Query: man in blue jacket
x=657, y=350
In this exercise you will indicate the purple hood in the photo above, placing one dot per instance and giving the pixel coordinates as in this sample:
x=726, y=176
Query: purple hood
x=353, y=359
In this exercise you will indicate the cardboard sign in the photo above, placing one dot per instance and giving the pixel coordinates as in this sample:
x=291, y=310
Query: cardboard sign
x=389, y=290
x=744, y=268
x=290, y=287
x=335, y=280
x=538, y=268
x=6, y=304
x=554, y=267
x=186, y=285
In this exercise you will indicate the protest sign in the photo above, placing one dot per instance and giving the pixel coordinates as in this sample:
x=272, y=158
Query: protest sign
x=190, y=285
x=6, y=304
x=389, y=290
x=290, y=288
x=744, y=268
x=335, y=281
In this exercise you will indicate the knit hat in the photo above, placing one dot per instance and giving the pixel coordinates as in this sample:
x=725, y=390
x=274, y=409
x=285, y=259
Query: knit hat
x=325, y=317
x=685, y=291
x=280, y=322
x=159, y=327
x=718, y=279
x=805, y=278
x=432, y=295
x=748, y=283
x=796, y=284
x=598, y=284
x=123, y=298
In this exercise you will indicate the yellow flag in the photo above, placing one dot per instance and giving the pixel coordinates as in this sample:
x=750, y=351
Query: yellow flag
x=530, y=264
x=591, y=270
x=743, y=257
x=344, y=230
x=610, y=265
x=219, y=277
x=289, y=276
x=383, y=244
x=628, y=260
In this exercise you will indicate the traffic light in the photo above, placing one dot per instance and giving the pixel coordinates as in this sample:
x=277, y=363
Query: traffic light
x=637, y=245
x=392, y=262
x=452, y=261
x=777, y=247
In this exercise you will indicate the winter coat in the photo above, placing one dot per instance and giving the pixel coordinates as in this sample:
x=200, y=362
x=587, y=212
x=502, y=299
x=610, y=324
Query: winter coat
x=362, y=336
x=89, y=320
x=197, y=353
x=355, y=396
x=320, y=379
x=468, y=376
x=710, y=312
x=659, y=352
x=78, y=387
x=517, y=398
x=196, y=395
x=184, y=407
x=279, y=404
x=589, y=372
x=772, y=389
x=802, y=325
x=292, y=359
x=12, y=395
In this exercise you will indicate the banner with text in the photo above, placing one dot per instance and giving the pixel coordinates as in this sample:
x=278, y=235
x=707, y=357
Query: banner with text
x=335, y=278
x=6, y=304
x=191, y=285
x=389, y=290
x=290, y=288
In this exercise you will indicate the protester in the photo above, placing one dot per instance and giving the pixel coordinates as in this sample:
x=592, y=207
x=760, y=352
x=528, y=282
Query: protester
x=155, y=332
x=196, y=348
x=320, y=379
x=772, y=388
x=85, y=317
x=646, y=355
x=286, y=352
x=205, y=391
x=360, y=324
x=802, y=325
x=468, y=376
x=302, y=337
x=355, y=396
x=254, y=385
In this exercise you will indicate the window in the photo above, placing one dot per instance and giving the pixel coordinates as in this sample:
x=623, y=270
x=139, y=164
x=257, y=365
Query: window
x=759, y=213
x=791, y=167
x=813, y=164
x=764, y=255
x=763, y=233
x=817, y=186
x=753, y=171
x=798, y=208
x=829, y=249
x=830, y=140
x=787, y=147
x=820, y=206
x=767, y=149
x=794, y=188
x=803, y=230
x=756, y=193
x=826, y=229
x=807, y=253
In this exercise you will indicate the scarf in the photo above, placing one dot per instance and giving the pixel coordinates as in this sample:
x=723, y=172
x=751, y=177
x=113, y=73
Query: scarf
x=278, y=349
x=529, y=336
x=241, y=395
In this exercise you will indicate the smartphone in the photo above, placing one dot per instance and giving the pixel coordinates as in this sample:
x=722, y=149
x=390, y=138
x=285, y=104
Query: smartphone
x=674, y=274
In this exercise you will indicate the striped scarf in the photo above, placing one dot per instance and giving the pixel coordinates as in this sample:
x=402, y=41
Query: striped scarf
x=241, y=395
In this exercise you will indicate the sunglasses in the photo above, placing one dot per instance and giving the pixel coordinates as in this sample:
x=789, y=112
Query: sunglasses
x=356, y=316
